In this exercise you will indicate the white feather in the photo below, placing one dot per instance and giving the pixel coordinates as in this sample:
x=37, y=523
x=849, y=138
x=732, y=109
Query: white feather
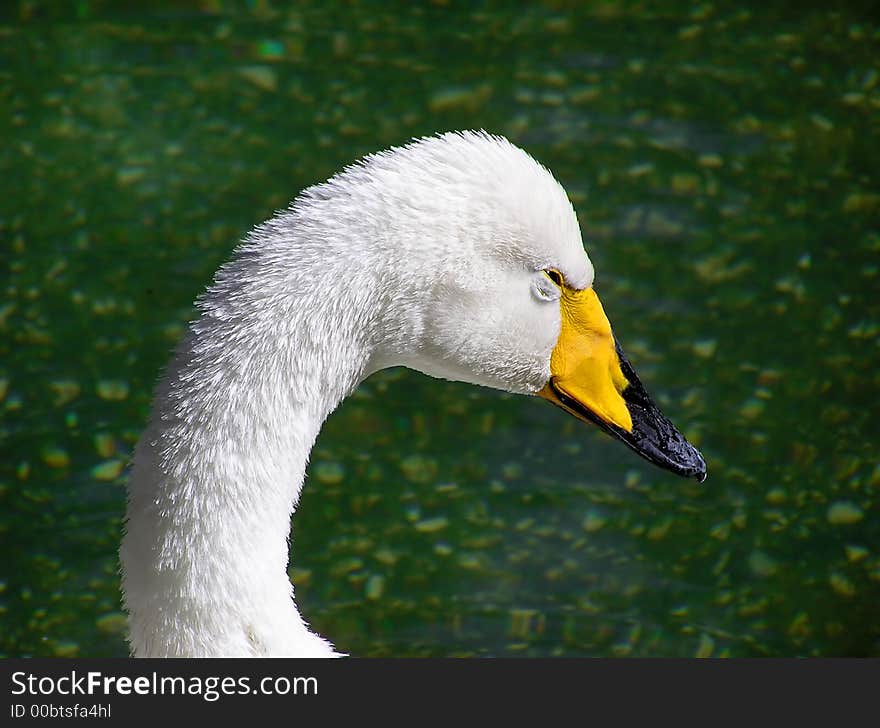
x=427, y=256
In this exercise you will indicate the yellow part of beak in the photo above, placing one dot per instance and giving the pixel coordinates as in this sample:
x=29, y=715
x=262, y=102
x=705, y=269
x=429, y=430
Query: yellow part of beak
x=584, y=364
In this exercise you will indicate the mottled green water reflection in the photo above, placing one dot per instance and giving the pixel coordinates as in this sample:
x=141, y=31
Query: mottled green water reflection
x=724, y=165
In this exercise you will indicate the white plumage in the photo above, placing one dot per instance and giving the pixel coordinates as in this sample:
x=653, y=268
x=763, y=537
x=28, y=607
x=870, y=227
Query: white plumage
x=429, y=256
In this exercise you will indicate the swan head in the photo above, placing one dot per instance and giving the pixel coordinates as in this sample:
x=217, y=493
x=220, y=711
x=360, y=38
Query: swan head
x=476, y=251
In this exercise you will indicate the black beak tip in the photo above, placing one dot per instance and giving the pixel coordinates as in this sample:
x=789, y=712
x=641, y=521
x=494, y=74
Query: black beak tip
x=654, y=437
x=700, y=472
x=676, y=455
x=691, y=462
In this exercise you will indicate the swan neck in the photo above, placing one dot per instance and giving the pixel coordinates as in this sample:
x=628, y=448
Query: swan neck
x=218, y=473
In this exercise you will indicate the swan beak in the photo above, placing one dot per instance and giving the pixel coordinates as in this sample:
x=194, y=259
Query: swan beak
x=591, y=378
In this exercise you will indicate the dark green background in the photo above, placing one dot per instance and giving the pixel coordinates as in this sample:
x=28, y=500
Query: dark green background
x=723, y=161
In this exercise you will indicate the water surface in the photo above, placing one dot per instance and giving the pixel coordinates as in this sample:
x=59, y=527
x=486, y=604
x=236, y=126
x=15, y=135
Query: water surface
x=723, y=162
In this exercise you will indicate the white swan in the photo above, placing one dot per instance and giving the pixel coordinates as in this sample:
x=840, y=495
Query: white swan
x=458, y=256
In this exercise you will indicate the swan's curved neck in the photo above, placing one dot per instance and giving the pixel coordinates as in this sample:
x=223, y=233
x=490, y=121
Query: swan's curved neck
x=218, y=472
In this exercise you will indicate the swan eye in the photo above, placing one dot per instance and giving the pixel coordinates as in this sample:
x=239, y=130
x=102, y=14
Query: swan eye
x=555, y=276
x=547, y=285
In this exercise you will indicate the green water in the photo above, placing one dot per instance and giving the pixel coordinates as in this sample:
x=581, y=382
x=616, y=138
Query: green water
x=724, y=165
